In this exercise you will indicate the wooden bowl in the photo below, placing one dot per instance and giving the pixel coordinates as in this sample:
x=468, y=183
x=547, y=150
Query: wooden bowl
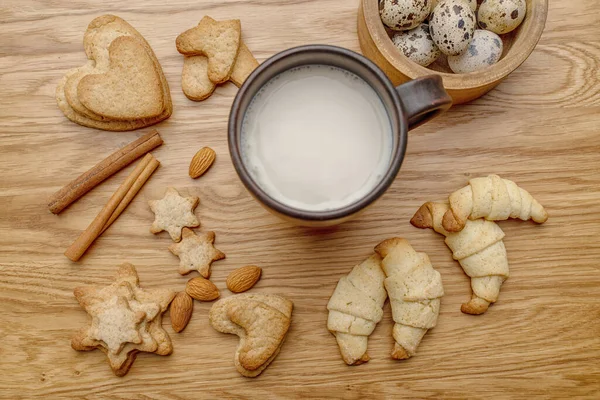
x=376, y=44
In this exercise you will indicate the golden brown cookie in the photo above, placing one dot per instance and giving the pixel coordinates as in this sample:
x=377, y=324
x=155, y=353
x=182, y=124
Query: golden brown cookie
x=244, y=65
x=125, y=319
x=196, y=84
x=260, y=320
x=107, y=125
x=74, y=76
x=101, y=32
x=129, y=89
x=194, y=78
x=174, y=212
x=217, y=40
x=196, y=252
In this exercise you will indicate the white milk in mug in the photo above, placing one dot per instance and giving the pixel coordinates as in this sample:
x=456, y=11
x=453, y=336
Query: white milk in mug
x=316, y=138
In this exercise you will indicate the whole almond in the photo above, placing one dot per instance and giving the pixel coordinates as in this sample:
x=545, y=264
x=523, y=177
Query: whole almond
x=201, y=162
x=181, y=310
x=243, y=278
x=202, y=289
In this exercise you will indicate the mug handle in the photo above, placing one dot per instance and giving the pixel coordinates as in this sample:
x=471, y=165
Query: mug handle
x=423, y=99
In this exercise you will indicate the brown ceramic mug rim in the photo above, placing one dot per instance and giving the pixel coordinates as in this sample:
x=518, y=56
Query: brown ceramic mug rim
x=399, y=130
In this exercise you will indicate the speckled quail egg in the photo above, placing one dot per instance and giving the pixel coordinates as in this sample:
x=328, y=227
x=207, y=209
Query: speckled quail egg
x=403, y=15
x=472, y=4
x=484, y=50
x=452, y=25
x=417, y=45
x=501, y=16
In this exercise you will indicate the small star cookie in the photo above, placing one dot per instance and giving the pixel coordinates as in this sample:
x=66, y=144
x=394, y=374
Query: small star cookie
x=125, y=320
x=173, y=212
x=196, y=252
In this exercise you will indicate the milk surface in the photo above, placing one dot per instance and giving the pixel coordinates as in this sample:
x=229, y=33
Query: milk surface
x=316, y=138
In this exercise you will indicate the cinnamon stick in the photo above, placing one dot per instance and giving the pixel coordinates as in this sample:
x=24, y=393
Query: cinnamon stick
x=133, y=183
x=103, y=170
x=137, y=185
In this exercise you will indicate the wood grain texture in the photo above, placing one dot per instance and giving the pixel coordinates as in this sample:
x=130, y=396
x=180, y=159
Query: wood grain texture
x=539, y=128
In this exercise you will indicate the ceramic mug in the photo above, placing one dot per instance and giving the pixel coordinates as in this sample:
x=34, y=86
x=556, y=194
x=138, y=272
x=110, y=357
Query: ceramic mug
x=407, y=106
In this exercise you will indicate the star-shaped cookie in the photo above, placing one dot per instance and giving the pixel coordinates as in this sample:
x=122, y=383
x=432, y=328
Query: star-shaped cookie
x=196, y=252
x=154, y=303
x=173, y=212
x=116, y=324
x=116, y=327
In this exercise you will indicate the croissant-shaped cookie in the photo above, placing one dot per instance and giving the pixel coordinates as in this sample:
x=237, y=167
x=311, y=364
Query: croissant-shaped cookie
x=478, y=248
x=415, y=290
x=494, y=199
x=260, y=320
x=355, y=308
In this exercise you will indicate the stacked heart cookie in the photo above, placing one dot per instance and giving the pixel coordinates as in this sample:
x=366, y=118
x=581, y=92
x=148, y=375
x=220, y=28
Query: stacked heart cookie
x=122, y=87
x=214, y=54
x=125, y=320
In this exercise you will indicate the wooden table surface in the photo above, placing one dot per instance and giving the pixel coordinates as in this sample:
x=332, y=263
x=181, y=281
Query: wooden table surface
x=541, y=128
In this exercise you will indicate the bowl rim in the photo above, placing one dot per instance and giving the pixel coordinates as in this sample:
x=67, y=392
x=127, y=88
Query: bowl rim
x=525, y=42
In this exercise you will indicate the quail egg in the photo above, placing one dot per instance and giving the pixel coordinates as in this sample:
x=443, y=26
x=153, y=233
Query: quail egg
x=417, y=45
x=472, y=4
x=403, y=15
x=452, y=25
x=484, y=50
x=501, y=16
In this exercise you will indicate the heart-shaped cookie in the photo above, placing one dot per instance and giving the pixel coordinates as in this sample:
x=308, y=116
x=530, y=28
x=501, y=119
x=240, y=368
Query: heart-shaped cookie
x=194, y=79
x=217, y=40
x=130, y=89
x=100, y=34
x=260, y=320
